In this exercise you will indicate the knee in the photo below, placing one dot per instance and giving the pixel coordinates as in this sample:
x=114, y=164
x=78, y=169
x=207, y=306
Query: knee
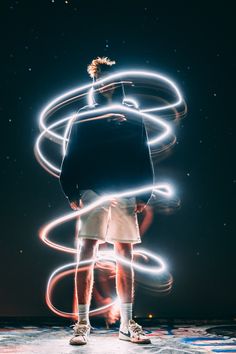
x=88, y=249
x=124, y=250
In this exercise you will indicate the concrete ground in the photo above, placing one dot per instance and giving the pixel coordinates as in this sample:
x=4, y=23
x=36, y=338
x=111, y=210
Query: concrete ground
x=165, y=339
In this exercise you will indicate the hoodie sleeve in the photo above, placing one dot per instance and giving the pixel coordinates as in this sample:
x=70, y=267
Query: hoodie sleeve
x=146, y=166
x=68, y=180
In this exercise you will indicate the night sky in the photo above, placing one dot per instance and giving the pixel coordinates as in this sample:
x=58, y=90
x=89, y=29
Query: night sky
x=46, y=47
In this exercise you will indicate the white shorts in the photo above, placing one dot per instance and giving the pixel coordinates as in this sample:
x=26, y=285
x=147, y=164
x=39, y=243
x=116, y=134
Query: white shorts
x=108, y=223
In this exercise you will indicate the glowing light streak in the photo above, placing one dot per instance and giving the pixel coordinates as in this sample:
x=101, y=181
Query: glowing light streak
x=164, y=131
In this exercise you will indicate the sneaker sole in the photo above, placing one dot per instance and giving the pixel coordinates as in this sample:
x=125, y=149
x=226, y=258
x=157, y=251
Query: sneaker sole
x=77, y=343
x=123, y=337
x=144, y=341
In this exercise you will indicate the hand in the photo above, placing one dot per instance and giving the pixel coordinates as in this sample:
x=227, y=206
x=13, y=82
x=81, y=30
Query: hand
x=113, y=202
x=76, y=205
x=140, y=206
x=119, y=117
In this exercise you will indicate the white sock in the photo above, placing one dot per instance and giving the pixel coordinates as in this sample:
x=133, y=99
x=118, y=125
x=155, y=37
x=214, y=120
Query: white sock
x=84, y=312
x=125, y=313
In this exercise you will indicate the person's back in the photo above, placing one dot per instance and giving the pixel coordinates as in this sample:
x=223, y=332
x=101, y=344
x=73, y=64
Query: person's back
x=107, y=154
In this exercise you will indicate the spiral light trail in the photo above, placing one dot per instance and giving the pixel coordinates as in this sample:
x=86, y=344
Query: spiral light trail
x=48, y=131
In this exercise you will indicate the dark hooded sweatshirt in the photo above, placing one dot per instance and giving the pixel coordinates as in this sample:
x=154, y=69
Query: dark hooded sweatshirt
x=107, y=156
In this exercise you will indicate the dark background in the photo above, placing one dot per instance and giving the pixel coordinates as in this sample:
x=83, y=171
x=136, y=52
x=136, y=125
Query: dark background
x=46, y=47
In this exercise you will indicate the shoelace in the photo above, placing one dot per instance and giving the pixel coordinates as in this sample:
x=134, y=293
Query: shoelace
x=79, y=329
x=77, y=324
x=136, y=328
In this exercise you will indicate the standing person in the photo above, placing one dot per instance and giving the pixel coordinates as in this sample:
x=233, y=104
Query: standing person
x=112, y=155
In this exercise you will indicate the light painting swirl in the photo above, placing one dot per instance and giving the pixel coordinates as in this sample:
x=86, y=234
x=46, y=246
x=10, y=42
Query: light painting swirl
x=59, y=110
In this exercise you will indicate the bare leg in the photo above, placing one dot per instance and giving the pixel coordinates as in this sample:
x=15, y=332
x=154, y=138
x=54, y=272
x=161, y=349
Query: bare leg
x=85, y=274
x=124, y=273
x=129, y=329
x=84, y=283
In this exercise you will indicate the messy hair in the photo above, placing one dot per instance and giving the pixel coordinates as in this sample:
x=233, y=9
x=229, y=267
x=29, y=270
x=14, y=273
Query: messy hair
x=96, y=66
